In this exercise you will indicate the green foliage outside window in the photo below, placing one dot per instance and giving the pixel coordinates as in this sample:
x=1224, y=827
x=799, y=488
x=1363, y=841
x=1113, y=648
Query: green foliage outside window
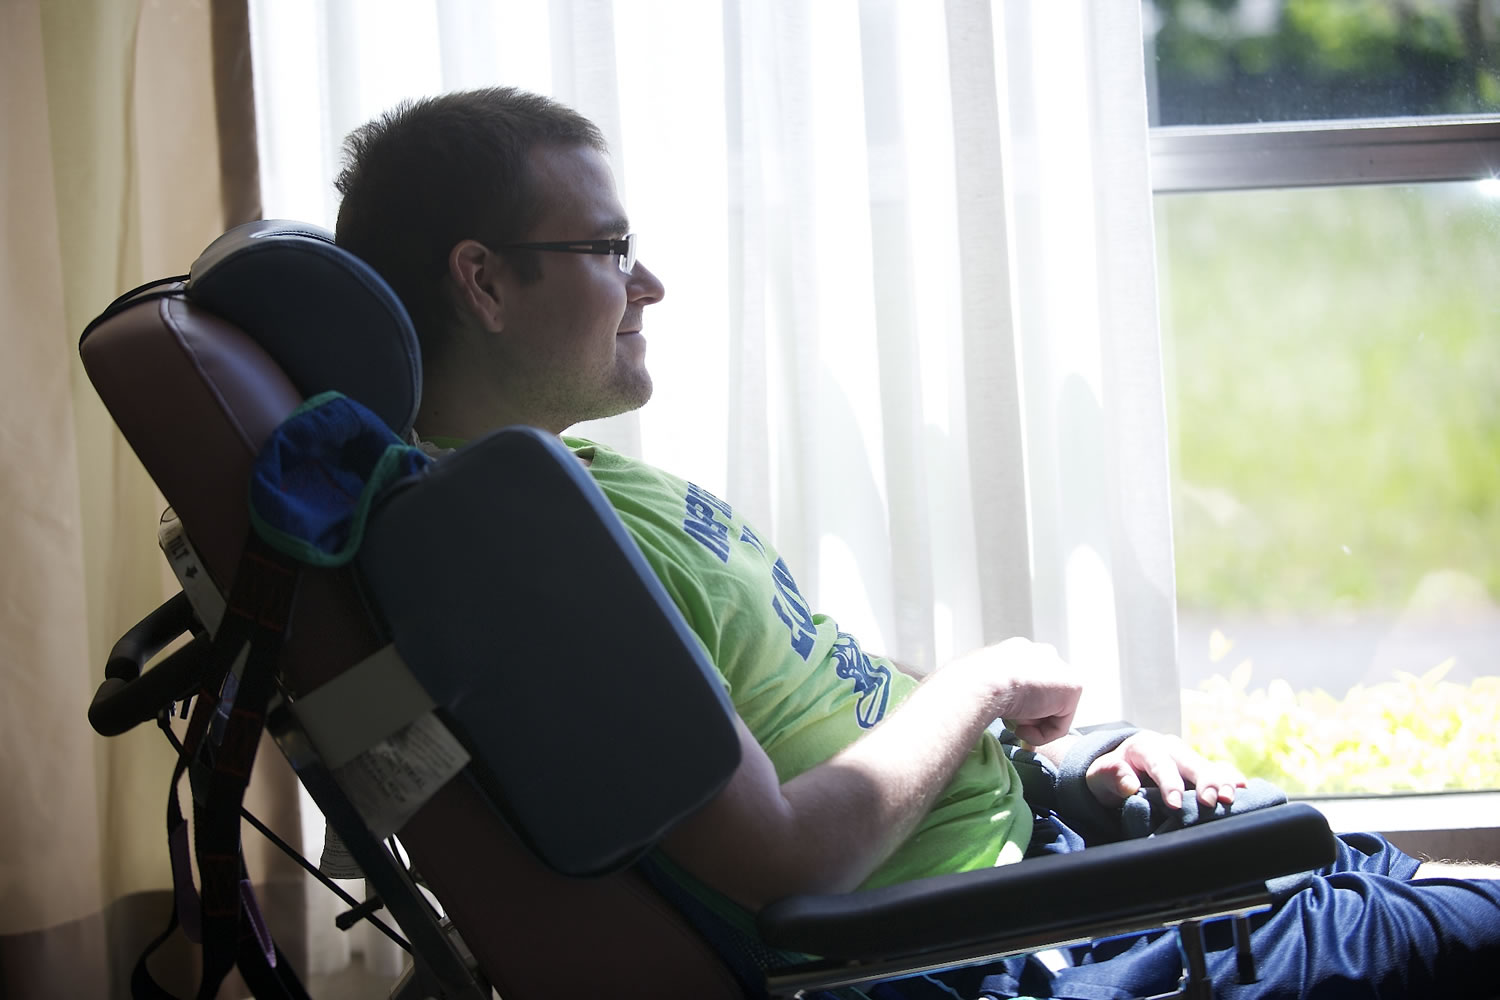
x=1413, y=734
x=1227, y=61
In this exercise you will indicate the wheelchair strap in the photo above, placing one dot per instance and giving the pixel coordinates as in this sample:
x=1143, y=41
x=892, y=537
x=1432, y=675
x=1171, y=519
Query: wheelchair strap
x=219, y=753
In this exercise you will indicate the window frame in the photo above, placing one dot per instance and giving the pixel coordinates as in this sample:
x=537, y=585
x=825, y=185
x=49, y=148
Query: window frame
x=1193, y=158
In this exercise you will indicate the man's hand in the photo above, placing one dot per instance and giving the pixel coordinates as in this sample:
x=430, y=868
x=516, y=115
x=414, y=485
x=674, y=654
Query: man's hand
x=1167, y=760
x=1032, y=688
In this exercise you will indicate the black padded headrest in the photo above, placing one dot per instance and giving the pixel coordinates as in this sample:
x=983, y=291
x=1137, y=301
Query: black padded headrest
x=326, y=317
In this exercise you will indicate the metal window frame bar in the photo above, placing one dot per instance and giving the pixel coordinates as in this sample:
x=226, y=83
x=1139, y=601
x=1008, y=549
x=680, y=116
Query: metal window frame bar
x=1311, y=154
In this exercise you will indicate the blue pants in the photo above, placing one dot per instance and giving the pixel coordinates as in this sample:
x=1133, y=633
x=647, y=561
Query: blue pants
x=1360, y=928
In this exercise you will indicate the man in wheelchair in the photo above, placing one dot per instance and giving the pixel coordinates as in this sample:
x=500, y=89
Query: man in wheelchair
x=494, y=217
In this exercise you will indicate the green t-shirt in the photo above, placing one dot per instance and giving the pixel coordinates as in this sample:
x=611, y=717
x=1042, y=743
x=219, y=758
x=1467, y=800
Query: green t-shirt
x=804, y=689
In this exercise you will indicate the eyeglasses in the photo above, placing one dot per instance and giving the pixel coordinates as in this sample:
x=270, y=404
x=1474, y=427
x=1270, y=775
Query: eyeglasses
x=624, y=248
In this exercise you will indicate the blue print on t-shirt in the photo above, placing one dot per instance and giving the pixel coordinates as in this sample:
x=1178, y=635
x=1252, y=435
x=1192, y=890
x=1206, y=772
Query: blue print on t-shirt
x=752, y=539
x=872, y=681
x=700, y=523
x=793, y=610
x=787, y=602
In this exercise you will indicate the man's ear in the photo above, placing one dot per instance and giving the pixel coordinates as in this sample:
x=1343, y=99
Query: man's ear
x=476, y=279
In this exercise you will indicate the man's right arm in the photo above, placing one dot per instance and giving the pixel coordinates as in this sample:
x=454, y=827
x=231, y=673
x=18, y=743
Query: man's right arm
x=828, y=828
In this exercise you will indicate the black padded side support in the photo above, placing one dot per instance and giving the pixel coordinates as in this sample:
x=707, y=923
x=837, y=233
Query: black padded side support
x=1048, y=893
x=520, y=603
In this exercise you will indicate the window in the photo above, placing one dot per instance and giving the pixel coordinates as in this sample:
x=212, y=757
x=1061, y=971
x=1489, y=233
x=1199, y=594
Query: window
x=1328, y=228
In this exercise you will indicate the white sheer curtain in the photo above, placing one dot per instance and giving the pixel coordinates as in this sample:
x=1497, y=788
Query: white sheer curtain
x=910, y=323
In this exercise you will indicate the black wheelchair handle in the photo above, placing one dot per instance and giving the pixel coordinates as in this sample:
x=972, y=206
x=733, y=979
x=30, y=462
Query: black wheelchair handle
x=127, y=697
x=149, y=636
x=120, y=705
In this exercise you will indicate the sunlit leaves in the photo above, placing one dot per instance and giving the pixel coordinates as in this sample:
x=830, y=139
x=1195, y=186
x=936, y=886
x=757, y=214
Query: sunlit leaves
x=1417, y=733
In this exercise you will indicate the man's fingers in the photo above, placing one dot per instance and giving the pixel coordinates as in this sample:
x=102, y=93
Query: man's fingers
x=1127, y=782
x=1212, y=793
x=1112, y=779
x=1170, y=763
x=1153, y=757
x=1040, y=732
x=1215, y=782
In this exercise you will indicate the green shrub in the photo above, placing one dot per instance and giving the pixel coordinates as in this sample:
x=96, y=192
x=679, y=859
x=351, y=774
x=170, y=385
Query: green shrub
x=1413, y=734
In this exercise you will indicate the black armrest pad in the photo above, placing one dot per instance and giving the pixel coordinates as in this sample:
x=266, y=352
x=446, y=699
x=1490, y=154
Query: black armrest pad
x=1052, y=892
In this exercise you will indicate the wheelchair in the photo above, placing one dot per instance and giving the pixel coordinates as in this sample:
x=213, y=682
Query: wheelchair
x=426, y=674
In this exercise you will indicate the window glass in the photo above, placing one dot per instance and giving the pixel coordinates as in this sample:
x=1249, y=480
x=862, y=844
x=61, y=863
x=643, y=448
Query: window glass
x=1240, y=61
x=1334, y=402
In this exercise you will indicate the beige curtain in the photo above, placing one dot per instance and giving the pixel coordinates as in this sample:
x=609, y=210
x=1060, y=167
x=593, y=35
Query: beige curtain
x=109, y=176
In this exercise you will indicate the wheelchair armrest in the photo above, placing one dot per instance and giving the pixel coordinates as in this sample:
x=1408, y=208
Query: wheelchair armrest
x=1049, y=894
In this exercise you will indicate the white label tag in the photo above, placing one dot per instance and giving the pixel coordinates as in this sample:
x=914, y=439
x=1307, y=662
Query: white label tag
x=371, y=700
x=337, y=862
x=207, y=602
x=391, y=780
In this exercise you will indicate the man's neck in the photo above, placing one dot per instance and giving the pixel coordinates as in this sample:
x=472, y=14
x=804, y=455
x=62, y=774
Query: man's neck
x=452, y=425
x=456, y=405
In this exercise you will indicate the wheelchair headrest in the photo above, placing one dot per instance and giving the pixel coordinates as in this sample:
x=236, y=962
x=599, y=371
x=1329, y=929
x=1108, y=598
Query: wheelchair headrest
x=323, y=314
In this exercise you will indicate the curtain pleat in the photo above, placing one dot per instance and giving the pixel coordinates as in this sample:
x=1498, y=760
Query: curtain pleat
x=898, y=324
x=748, y=444
x=234, y=107
x=585, y=76
x=995, y=453
x=777, y=79
x=1133, y=387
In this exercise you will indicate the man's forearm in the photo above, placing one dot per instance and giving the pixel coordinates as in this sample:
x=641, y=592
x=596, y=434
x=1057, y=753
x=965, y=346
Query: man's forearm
x=828, y=829
x=885, y=783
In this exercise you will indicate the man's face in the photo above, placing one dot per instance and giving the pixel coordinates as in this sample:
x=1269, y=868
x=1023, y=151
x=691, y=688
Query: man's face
x=571, y=340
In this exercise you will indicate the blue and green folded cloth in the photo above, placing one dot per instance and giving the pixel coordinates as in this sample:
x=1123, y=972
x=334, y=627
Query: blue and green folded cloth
x=314, y=481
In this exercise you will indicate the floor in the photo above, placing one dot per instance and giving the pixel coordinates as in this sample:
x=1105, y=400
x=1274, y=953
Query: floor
x=354, y=983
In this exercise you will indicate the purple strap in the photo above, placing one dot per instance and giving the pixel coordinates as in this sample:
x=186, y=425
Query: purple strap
x=189, y=915
x=257, y=922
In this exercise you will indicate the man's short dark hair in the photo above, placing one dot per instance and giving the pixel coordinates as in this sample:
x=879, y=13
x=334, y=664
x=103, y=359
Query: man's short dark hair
x=434, y=171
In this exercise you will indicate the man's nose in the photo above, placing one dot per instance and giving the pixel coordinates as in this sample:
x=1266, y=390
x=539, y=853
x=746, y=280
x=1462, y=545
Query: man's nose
x=645, y=287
